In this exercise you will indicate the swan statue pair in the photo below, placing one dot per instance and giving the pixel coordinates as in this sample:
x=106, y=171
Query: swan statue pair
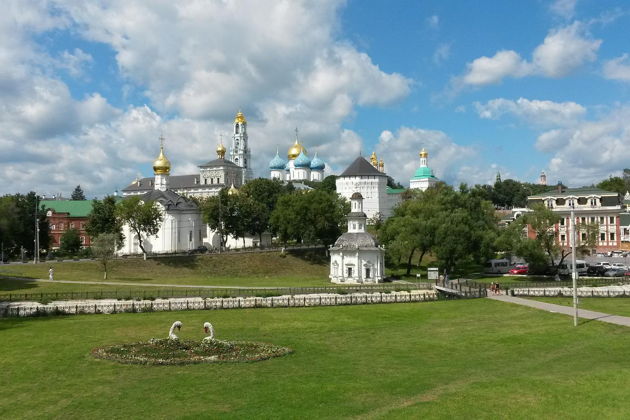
x=208, y=328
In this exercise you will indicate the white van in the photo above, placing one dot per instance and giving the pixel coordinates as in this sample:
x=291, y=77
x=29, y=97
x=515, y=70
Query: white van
x=501, y=266
x=566, y=268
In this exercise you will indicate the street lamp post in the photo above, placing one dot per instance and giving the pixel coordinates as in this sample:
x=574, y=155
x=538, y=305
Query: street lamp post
x=36, y=242
x=573, y=268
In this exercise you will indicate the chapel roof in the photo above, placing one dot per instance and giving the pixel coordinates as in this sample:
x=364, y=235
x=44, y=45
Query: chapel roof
x=170, y=200
x=356, y=240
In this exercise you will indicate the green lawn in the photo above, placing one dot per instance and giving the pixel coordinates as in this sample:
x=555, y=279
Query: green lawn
x=256, y=269
x=447, y=359
x=615, y=306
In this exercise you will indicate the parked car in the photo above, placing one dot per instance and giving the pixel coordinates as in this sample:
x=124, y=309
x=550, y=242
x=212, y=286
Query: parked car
x=519, y=269
x=621, y=266
x=617, y=254
x=615, y=272
x=566, y=268
x=602, y=263
x=596, y=270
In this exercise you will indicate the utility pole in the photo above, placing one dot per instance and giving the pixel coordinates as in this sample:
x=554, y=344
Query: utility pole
x=220, y=225
x=573, y=268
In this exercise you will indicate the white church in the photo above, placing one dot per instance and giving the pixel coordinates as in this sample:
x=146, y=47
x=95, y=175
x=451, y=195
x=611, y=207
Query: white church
x=356, y=257
x=183, y=228
x=298, y=167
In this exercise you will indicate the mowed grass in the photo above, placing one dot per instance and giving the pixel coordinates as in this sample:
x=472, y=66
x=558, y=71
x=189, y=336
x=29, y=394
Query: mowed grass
x=447, y=359
x=295, y=269
x=614, y=306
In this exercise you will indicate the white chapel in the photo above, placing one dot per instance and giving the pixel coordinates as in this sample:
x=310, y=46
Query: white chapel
x=356, y=256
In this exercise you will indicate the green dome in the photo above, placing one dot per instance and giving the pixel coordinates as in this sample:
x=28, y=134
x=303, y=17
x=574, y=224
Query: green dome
x=423, y=172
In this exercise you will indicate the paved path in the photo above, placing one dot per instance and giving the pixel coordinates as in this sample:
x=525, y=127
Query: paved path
x=566, y=310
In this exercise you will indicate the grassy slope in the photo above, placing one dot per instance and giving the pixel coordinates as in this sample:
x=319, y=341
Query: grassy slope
x=474, y=359
x=615, y=306
x=264, y=269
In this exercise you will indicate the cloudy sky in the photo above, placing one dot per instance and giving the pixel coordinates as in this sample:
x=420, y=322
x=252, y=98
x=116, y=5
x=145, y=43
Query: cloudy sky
x=514, y=86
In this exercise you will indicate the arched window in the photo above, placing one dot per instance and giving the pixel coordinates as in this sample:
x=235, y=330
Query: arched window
x=236, y=129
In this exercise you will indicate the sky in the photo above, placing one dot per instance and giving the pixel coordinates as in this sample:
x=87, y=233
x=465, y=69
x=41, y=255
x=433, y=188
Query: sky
x=510, y=86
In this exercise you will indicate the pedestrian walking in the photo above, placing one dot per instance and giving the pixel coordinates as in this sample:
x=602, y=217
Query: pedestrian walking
x=51, y=274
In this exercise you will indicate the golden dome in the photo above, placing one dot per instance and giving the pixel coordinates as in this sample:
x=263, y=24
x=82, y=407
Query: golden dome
x=424, y=153
x=233, y=190
x=295, y=149
x=221, y=151
x=161, y=165
x=240, y=118
x=374, y=159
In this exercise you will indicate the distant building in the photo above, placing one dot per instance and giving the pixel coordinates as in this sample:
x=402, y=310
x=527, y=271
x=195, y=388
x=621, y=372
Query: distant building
x=182, y=228
x=591, y=206
x=213, y=175
x=423, y=177
x=298, y=167
x=356, y=256
x=365, y=178
x=63, y=215
x=542, y=179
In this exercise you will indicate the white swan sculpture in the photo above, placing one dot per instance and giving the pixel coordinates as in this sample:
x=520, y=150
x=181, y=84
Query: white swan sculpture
x=209, y=329
x=171, y=333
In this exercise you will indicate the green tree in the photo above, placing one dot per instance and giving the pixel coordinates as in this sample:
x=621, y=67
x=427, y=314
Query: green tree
x=103, y=248
x=311, y=217
x=70, y=242
x=615, y=184
x=77, y=194
x=143, y=218
x=102, y=219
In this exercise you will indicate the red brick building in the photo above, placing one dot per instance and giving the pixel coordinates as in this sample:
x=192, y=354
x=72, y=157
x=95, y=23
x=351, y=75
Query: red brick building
x=63, y=215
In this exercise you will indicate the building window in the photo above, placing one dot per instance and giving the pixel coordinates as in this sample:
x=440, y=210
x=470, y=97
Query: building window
x=593, y=202
x=611, y=220
x=602, y=236
x=550, y=203
x=582, y=220
x=612, y=236
x=601, y=220
x=583, y=236
x=82, y=239
x=71, y=225
x=200, y=237
x=236, y=129
x=60, y=226
x=367, y=273
x=562, y=222
x=592, y=219
x=563, y=238
x=349, y=271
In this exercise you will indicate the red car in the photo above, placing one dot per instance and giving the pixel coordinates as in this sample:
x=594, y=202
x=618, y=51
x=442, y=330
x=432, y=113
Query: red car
x=519, y=269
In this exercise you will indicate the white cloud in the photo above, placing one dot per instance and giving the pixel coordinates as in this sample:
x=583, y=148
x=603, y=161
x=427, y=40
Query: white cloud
x=562, y=52
x=197, y=62
x=618, y=69
x=535, y=112
x=433, y=21
x=445, y=156
x=490, y=70
x=442, y=53
x=563, y=8
x=589, y=151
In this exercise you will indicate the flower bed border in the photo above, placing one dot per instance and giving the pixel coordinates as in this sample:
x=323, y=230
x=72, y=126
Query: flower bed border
x=269, y=351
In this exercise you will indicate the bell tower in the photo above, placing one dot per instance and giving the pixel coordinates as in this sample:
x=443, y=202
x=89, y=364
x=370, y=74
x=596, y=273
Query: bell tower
x=239, y=152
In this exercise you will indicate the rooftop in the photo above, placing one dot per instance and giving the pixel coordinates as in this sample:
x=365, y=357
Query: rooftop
x=584, y=191
x=74, y=208
x=361, y=167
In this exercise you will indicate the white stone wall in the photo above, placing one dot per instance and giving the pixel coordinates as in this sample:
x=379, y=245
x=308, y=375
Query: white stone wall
x=317, y=175
x=213, y=240
x=358, y=261
x=372, y=188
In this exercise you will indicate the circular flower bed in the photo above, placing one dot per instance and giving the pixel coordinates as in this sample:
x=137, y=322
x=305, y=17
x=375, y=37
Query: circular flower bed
x=181, y=352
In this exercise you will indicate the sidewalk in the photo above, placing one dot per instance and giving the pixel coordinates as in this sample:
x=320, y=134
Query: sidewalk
x=566, y=310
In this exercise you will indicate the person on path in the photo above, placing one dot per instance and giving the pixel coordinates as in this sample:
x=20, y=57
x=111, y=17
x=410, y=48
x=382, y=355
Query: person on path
x=51, y=274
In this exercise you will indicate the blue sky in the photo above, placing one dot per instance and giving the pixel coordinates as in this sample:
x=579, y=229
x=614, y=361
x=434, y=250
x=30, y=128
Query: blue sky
x=486, y=86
